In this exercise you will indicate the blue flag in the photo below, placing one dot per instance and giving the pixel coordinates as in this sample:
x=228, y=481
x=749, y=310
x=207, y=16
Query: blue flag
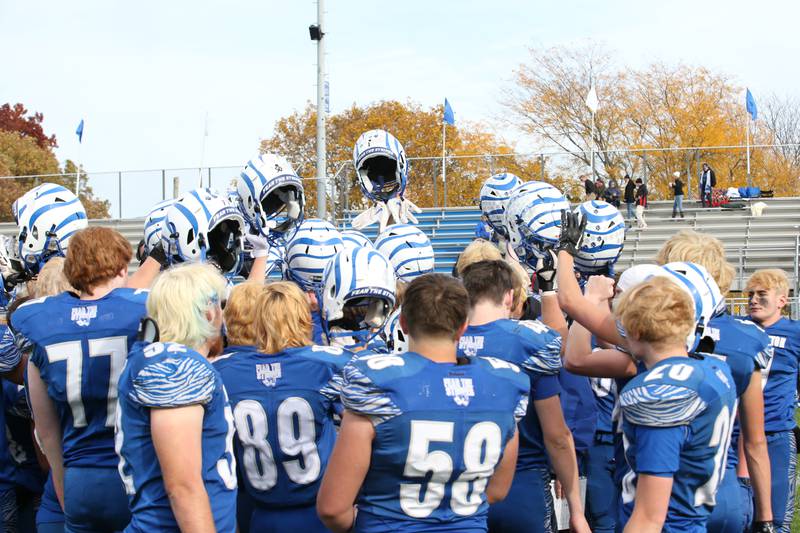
x=79, y=131
x=750, y=103
x=449, y=117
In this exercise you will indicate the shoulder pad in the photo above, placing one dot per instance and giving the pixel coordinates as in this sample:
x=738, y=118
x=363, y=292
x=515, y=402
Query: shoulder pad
x=542, y=347
x=173, y=381
x=660, y=405
x=362, y=396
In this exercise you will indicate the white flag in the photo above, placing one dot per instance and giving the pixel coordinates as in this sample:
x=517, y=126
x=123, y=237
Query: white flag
x=591, y=100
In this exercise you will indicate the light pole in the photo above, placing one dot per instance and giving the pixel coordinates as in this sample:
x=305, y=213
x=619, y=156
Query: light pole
x=316, y=33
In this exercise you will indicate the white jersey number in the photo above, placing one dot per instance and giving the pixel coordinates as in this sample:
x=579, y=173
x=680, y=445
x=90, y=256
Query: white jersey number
x=721, y=440
x=482, y=449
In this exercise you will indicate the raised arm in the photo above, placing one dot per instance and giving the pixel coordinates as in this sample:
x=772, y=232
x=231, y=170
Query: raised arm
x=754, y=444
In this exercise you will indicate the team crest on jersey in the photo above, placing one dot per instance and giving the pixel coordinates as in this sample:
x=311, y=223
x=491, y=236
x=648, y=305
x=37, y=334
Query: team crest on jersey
x=83, y=316
x=459, y=389
x=268, y=373
x=471, y=344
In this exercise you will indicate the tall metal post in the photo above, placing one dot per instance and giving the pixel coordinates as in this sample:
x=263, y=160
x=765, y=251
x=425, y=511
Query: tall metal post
x=322, y=182
x=119, y=192
x=163, y=184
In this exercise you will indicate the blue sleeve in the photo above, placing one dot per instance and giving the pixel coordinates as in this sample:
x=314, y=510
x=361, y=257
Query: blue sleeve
x=543, y=387
x=661, y=405
x=658, y=450
x=10, y=355
x=362, y=396
x=174, y=382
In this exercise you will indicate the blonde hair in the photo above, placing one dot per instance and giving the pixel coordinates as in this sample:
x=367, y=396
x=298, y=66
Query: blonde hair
x=656, y=311
x=478, y=250
x=703, y=249
x=51, y=280
x=240, y=312
x=283, y=318
x=769, y=278
x=399, y=293
x=522, y=283
x=179, y=301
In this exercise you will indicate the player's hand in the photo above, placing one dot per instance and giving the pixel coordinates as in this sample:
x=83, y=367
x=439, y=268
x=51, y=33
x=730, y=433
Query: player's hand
x=763, y=527
x=158, y=253
x=599, y=289
x=546, y=272
x=578, y=523
x=571, y=232
x=259, y=244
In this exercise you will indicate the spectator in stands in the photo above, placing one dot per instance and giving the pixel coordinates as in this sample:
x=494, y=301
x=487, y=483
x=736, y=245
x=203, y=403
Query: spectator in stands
x=591, y=190
x=630, y=195
x=677, y=193
x=708, y=180
x=483, y=230
x=612, y=192
x=641, y=203
x=600, y=187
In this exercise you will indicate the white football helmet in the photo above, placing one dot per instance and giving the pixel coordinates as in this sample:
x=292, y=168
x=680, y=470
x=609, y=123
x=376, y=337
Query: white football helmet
x=381, y=165
x=702, y=289
x=355, y=239
x=358, y=294
x=271, y=196
x=203, y=226
x=495, y=193
x=46, y=220
x=308, y=253
x=275, y=260
x=533, y=219
x=408, y=249
x=153, y=223
x=393, y=335
x=603, y=237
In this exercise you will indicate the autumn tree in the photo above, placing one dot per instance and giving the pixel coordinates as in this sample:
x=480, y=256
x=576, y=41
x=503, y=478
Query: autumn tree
x=17, y=119
x=420, y=132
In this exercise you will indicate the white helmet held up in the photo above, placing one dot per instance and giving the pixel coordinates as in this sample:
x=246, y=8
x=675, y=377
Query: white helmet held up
x=381, y=165
x=408, y=249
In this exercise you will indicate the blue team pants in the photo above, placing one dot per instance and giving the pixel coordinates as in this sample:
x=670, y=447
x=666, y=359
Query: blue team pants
x=286, y=519
x=94, y=500
x=601, y=491
x=782, y=450
x=49, y=517
x=746, y=491
x=728, y=516
x=528, y=508
x=244, y=509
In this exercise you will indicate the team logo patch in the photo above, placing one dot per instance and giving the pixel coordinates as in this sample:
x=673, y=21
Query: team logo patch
x=471, y=344
x=268, y=373
x=459, y=389
x=83, y=316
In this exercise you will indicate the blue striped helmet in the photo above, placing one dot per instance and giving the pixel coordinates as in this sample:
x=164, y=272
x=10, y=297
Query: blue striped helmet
x=495, y=193
x=275, y=258
x=393, y=335
x=354, y=238
x=46, y=217
x=703, y=290
x=308, y=253
x=361, y=279
x=381, y=165
x=203, y=226
x=153, y=223
x=408, y=249
x=533, y=219
x=603, y=237
x=271, y=196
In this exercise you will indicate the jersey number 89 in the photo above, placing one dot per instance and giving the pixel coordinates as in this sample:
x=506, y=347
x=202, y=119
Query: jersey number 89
x=482, y=449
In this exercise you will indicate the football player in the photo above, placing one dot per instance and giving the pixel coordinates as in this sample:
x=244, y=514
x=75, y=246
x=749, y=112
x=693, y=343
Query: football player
x=284, y=392
x=767, y=293
x=80, y=343
x=535, y=348
x=174, y=431
x=428, y=439
x=677, y=416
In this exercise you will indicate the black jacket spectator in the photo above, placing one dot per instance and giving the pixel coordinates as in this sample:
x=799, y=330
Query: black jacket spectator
x=641, y=195
x=589, y=186
x=630, y=191
x=677, y=187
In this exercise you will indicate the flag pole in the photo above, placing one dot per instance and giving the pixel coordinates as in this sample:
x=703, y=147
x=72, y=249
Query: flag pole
x=444, y=176
x=594, y=176
x=78, y=171
x=203, y=150
x=748, y=152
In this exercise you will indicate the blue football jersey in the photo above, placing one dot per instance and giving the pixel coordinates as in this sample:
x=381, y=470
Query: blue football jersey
x=440, y=431
x=10, y=354
x=28, y=473
x=745, y=347
x=780, y=376
x=79, y=347
x=167, y=375
x=677, y=420
x=317, y=333
x=580, y=410
x=283, y=406
x=536, y=349
x=605, y=392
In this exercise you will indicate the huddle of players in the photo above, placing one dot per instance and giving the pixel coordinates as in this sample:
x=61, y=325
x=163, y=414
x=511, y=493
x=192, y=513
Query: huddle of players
x=455, y=424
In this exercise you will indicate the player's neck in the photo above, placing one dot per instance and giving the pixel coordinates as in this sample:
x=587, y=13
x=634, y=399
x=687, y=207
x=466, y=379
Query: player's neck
x=485, y=311
x=767, y=322
x=438, y=350
x=652, y=354
x=102, y=289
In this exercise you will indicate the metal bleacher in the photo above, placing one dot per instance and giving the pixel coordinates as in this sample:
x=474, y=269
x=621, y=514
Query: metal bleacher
x=769, y=241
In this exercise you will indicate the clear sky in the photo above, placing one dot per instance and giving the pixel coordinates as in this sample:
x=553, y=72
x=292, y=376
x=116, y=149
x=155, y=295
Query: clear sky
x=144, y=74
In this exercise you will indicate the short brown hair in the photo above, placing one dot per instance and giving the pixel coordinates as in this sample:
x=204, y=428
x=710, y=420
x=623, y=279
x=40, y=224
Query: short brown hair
x=95, y=255
x=488, y=280
x=656, y=311
x=478, y=250
x=283, y=317
x=769, y=278
x=435, y=305
x=240, y=312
